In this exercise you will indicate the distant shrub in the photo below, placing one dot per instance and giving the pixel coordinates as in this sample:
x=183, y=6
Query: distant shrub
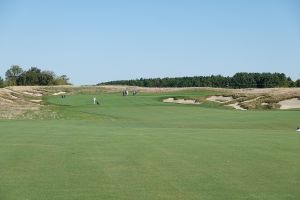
x=297, y=83
x=15, y=75
x=1, y=82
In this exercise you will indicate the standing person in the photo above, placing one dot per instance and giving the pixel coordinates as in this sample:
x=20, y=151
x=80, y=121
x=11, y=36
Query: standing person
x=94, y=100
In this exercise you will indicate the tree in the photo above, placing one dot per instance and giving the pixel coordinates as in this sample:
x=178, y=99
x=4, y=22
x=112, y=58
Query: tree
x=239, y=80
x=243, y=80
x=45, y=78
x=30, y=77
x=34, y=76
x=1, y=82
x=51, y=73
x=290, y=82
x=297, y=83
x=61, y=80
x=15, y=75
x=12, y=74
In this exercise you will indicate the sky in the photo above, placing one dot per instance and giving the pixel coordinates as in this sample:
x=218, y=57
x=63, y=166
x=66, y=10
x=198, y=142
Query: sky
x=96, y=41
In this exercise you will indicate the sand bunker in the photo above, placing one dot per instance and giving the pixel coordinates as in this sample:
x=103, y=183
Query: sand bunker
x=220, y=99
x=236, y=106
x=59, y=93
x=252, y=100
x=180, y=101
x=36, y=101
x=33, y=94
x=289, y=104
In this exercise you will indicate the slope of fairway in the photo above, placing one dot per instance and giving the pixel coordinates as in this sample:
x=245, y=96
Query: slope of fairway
x=140, y=148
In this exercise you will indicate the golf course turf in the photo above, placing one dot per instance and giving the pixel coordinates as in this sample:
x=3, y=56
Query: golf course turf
x=137, y=147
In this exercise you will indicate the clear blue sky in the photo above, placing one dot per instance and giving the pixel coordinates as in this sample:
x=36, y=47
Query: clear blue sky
x=95, y=41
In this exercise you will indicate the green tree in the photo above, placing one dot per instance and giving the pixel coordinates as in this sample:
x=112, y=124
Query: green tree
x=239, y=80
x=290, y=82
x=243, y=80
x=1, y=82
x=61, y=80
x=34, y=76
x=297, y=83
x=12, y=74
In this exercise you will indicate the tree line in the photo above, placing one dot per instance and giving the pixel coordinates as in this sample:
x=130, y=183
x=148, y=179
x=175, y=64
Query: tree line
x=239, y=80
x=15, y=75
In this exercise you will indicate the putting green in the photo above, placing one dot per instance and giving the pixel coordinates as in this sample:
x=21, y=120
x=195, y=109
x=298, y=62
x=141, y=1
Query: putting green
x=137, y=147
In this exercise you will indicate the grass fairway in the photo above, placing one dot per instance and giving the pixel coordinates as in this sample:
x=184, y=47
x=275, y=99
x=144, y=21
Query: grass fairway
x=137, y=148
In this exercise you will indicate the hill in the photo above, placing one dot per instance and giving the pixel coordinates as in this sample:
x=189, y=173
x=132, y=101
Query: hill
x=28, y=101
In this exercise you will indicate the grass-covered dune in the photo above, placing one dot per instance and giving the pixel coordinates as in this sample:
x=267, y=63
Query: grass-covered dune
x=138, y=147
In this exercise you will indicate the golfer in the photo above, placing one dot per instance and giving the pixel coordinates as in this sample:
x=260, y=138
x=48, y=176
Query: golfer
x=95, y=100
